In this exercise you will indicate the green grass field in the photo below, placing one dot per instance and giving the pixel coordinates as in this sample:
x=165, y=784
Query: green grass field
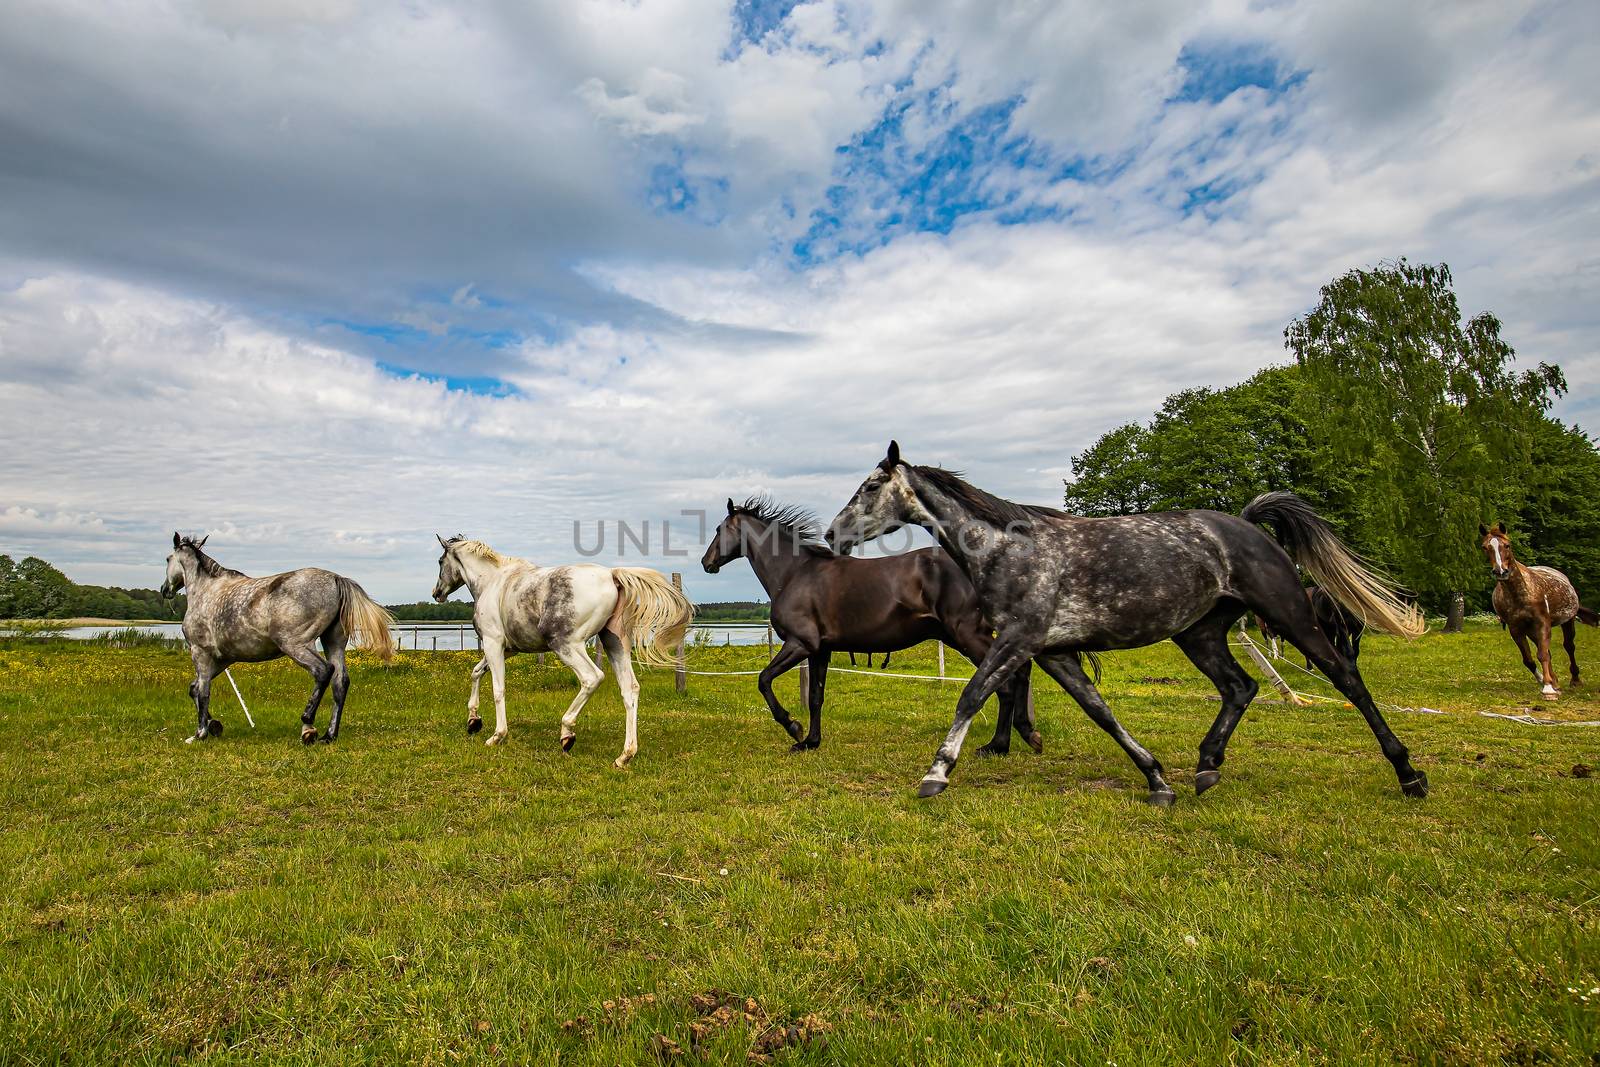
x=409, y=894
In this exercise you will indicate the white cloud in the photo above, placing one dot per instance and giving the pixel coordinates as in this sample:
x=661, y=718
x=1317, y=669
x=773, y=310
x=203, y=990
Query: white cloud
x=175, y=243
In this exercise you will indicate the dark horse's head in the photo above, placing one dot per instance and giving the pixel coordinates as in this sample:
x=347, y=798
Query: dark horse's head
x=183, y=549
x=757, y=523
x=1496, y=546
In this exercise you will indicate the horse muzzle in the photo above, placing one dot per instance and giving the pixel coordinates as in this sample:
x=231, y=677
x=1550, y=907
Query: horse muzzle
x=1501, y=575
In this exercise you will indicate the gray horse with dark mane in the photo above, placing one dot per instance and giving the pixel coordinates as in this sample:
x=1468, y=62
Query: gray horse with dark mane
x=233, y=618
x=1056, y=586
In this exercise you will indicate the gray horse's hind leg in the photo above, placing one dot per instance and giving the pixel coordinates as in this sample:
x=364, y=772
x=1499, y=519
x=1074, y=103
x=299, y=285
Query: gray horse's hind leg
x=1068, y=673
x=321, y=672
x=333, y=645
x=621, y=660
x=1206, y=645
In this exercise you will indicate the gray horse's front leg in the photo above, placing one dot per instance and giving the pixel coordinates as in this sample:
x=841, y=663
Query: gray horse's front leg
x=205, y=669
x=996, y=670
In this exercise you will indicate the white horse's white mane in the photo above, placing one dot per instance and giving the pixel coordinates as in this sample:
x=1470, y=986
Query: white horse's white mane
x=484, y=552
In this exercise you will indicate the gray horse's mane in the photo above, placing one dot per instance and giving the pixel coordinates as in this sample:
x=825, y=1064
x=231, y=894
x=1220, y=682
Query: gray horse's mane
x=802, y=524
x=994, y=510
x=208, y=566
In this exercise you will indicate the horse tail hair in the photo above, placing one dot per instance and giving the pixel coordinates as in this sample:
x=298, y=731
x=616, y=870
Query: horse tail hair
x=1587, y=616
x=1094, y=663
x=1311, y=543
x=364, y=619
x=652, y=614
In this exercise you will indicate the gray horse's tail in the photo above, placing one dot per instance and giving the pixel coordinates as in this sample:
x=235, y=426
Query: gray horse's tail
x=1311, y=542
x=364, y=619
x=652, y=613
x=1587, y=617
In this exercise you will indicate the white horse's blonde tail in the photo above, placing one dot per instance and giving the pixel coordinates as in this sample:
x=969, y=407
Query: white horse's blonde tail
x=365, y=620
x=1311, y=542
x=652, y=615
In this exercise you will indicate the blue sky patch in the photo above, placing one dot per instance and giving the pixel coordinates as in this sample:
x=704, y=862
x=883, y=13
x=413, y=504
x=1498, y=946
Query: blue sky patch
x=479, y=386
x=1213, y=72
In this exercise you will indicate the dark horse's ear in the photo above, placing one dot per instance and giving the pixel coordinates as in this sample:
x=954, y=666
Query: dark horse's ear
x=1500, y=528
x=1483, y=531
x=730, y=505
x=892, y=460
x=202, y=542
x=177, y=539
x=439, y=539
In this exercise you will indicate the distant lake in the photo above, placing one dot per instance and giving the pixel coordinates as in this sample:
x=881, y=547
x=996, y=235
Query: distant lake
x=454, y=636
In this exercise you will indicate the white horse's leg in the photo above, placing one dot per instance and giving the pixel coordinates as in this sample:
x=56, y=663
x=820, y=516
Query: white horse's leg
x=576, y=656
x=494, y=653
x=474, y=721
x=622, y=662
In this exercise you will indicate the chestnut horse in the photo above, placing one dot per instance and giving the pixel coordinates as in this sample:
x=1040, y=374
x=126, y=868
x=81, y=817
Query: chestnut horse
x=1530, y=601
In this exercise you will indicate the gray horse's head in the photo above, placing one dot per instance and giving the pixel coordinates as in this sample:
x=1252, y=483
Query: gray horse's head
x=183, y=548
x=881, y=505
x=451, y=576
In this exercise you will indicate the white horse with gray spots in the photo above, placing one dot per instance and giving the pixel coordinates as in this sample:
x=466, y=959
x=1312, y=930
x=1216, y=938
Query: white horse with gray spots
x=520, y=606
x=233, y=618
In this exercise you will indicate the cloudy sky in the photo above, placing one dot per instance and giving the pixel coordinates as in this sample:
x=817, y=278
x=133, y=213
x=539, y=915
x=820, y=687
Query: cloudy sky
x=324, y=277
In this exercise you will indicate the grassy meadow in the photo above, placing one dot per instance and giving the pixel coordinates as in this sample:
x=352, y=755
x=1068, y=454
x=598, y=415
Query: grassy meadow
x=411, y=895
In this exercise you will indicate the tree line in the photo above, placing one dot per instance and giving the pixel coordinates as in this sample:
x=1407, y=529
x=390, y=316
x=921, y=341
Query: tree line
x=1404, y=424
x=33, y=589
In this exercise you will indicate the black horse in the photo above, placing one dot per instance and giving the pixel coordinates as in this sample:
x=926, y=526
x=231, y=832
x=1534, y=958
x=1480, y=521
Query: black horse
x=1057, y=585
x=823, y=603
x=1339, y=624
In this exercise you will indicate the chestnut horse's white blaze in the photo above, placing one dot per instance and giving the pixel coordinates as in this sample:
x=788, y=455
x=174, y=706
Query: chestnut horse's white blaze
x=520, y=606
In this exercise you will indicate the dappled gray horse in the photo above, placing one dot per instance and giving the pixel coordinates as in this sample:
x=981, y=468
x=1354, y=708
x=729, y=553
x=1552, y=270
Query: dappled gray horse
x=232, y=618
x=1057, y=586
x=520, y=606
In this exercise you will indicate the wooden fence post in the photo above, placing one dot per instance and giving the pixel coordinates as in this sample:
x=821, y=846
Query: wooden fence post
x=805, y=685
x=769, y=640
x=680, y=673
x=941, y=659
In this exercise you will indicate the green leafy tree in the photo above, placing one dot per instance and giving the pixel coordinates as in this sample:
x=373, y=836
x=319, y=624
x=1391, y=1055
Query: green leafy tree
x=1426, y=408
x=1212, y=448
x=8, y=588
x=1559, y=524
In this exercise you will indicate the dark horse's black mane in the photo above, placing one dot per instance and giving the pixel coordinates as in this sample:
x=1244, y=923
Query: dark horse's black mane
x=208, y=566
x=992, y=509
x=802, y=525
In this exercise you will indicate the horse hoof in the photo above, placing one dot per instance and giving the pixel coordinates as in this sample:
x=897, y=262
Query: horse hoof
x=990, y=750
x=1205, y=780
x=329, y=739
x=1161, y=798
x=474, y=724
x=794, y=730
x=308, y=734
x=621, y=762
x=214, y=728
x=495, y=739
x=1417, y=787
x=1551, y=694
x=931, y=787
x=1036, y=742
x=568, y=742
x=803, y=746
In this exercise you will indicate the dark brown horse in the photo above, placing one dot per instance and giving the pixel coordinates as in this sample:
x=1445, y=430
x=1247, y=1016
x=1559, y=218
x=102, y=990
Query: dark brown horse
x=1530, y=601
x=823, y=603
